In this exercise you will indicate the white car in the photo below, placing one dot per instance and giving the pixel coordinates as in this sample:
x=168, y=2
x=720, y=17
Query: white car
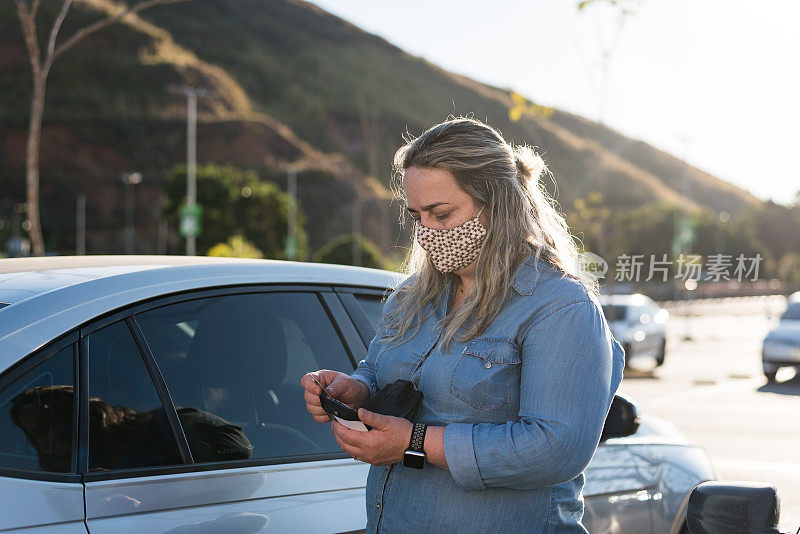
x=161, y=394
x=781, y=346
x=639, y=324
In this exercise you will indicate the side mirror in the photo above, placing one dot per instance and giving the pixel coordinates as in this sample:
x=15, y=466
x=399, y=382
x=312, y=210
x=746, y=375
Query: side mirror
x=622, y=419
x=733, y=508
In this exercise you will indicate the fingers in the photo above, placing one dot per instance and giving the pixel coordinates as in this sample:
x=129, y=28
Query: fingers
x=308, y=383
x=344, y=442
x=311, y=395
x=375, y=420
x=353, y=438
x=312, y=398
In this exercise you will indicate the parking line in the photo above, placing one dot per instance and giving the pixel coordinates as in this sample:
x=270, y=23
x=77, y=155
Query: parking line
x=750, y=465
x=704, y=391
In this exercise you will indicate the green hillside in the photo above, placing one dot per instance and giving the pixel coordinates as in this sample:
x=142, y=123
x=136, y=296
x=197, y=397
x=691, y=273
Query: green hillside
x=290, y=85
x=321, y=76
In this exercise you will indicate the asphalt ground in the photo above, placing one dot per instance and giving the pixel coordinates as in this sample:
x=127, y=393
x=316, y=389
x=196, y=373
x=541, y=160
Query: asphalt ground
x=712, y=388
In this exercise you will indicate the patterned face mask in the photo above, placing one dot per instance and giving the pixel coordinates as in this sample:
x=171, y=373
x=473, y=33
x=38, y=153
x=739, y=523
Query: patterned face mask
x=454, y=248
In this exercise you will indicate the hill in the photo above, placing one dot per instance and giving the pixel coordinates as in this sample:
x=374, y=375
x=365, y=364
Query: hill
x=290, y=85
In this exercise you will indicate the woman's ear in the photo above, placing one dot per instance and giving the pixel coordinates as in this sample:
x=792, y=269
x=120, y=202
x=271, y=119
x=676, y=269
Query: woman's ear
x=483, y=216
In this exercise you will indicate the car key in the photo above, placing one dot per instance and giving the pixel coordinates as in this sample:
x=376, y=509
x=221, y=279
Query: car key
x=339, y=410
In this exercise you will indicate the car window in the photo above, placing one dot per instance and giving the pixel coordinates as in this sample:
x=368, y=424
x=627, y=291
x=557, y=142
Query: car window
x=615, y=312
x=36, y=417
x=128, y=427
x=372, y=306
x=792, y=313
x=239, y=359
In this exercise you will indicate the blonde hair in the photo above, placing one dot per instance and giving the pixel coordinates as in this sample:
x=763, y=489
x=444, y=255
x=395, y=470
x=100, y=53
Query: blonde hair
x=505, y=179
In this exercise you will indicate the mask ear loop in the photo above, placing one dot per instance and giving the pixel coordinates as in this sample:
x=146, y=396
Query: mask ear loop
x=479, y=212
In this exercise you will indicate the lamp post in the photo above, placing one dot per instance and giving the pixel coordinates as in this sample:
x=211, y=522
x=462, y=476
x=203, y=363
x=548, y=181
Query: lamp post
x=719, y=231
x=291, y=215
x=80, y=224
x=356, y=213
x=129, y=179
x=191, y=228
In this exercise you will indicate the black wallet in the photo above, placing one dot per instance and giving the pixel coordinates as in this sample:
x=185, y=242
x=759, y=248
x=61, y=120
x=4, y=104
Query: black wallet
x=399, y=399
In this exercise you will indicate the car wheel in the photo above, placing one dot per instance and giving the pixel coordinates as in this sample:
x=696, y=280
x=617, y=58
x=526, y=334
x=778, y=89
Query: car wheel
x=770, y=371
x=661, y=353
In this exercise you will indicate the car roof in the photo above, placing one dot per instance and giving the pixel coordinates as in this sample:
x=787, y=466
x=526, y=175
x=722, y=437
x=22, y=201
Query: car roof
x=49, y=296
x=635, y=299
x=21, y=278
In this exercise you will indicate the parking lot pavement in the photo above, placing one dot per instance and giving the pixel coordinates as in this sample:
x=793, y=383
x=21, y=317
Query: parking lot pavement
x=712, y=388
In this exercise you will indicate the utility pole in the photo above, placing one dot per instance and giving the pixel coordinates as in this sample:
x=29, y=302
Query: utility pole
x=129, y=179
x=291, y=212
x=600, y=81
x=356, y=213
x=191, y=215
x=80, y=225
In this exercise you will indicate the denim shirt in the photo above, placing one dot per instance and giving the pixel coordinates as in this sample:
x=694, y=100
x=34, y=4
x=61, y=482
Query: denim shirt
x=523, y=406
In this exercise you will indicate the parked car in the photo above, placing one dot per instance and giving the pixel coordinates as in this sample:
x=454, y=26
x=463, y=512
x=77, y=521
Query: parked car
x=161, y=394
x=781, y=347
x=639, y=324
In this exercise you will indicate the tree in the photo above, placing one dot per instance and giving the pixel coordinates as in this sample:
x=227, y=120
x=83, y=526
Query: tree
x=235, y=247
x=41, y=63
x=340, y=250
x=236, y=201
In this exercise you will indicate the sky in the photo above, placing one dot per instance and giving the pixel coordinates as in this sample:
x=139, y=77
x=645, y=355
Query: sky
x=716, y=82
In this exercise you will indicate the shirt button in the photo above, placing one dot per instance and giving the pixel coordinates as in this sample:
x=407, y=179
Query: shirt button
x=488, y=365
x=377, y=506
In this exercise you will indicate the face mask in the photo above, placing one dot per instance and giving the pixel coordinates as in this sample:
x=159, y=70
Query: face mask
x=452, y=249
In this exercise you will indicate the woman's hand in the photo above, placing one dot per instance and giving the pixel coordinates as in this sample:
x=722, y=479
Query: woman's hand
x=383, y=445
x=340, y=386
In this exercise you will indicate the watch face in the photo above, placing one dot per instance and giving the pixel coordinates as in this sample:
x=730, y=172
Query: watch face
x=414, y=459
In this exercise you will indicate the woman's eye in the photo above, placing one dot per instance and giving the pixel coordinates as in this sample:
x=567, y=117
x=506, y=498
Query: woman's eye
x=442, y=217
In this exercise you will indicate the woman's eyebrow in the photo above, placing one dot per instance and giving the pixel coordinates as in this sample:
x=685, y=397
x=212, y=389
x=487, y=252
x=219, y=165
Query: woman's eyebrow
x=428, y=207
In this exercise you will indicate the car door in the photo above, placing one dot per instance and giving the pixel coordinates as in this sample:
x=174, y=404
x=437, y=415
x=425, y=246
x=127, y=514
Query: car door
x=214, y=435
x=40, y=489
x=619, y=485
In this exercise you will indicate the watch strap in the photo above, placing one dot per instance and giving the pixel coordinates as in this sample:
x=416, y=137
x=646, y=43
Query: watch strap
x=418, y=437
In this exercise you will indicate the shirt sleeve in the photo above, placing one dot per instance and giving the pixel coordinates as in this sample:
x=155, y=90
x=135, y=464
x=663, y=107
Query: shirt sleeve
x=571, y=367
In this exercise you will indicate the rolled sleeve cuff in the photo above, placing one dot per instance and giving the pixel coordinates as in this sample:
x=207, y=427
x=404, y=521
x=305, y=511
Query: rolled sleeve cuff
x=367, y=381
x=459, y=452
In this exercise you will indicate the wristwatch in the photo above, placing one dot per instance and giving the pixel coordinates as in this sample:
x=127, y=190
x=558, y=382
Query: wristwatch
x=414, y=456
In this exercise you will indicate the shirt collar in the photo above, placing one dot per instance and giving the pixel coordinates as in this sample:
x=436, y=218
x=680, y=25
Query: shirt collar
x=528, y=274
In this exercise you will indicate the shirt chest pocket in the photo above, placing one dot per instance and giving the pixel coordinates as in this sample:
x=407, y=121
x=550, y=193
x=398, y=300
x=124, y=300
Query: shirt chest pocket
x=486, y=373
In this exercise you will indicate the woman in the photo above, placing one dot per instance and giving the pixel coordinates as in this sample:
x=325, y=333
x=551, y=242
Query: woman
x=507, y=343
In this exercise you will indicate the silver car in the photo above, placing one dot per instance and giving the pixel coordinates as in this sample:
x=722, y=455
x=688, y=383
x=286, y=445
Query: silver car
x=161, y=394
x=781, y=347
x=639, y=324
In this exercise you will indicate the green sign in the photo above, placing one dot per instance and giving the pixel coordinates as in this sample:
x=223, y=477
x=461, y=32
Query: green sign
x=291, y=248
x=190, y=220
x=684, y=235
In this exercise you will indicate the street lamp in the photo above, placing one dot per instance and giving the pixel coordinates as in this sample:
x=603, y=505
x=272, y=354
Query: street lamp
x=719, y=231
x=192, y=94
x=690, y=285
x=291, y=244
x=129, y=179
x=356, y=213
